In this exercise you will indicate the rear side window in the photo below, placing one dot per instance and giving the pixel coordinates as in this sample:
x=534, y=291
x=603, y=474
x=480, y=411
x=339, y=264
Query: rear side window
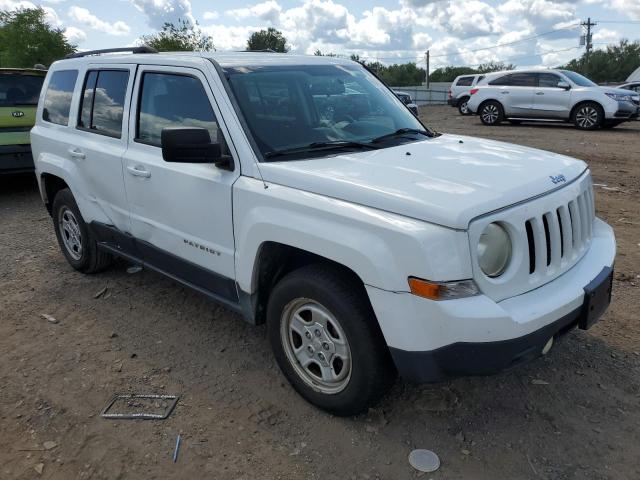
x=57, y=100
x=168, y=100
x=504, y=80
x=17, y=89
x=102, y=104
x=548, y=80
x=464, y=82
x=516, y=80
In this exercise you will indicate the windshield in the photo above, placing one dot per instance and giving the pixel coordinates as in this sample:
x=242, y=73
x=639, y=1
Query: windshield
x=579, y=79
x=290, y=107
x=16, y=89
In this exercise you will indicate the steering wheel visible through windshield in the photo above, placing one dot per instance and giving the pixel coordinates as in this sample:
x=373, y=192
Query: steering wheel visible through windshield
x=296, y=106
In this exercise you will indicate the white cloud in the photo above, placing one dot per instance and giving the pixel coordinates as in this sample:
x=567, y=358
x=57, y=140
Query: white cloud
x=84, y=16
x=159, y=12
x=629, y=7
x=75, y=35
x=210, y=15
x=229, y=37
x=268, y=11
x=606, y=35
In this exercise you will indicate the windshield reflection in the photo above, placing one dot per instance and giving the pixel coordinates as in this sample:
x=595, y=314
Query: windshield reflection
x=294, y=106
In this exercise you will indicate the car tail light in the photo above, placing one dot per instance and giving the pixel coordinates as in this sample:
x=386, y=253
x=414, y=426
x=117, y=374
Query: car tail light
x=473, y=91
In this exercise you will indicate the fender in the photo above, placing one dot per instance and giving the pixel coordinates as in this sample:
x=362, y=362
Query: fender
x=382, y=248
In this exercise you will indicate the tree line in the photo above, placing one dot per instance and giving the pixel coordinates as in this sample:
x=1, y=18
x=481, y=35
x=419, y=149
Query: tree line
x=27, y=39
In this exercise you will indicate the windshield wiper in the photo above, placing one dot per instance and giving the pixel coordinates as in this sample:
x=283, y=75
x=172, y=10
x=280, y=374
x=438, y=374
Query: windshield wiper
x=401, y=132
x=321, y=146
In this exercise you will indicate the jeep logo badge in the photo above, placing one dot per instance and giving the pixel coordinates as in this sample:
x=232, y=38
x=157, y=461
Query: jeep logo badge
x=17, y=114
x=557, y=178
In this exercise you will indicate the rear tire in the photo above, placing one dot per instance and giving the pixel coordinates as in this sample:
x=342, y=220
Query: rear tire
x=463, y=106
x=491, y=113
x=588, y=116
x=326, y=340
x=76, y=241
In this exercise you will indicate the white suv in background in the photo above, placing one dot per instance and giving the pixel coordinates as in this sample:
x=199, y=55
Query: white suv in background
x=459, y=91
x=552, y=95
x=299, y=191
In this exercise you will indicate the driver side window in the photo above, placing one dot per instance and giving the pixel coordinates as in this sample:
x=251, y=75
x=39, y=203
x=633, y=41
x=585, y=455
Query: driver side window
x=173, y=100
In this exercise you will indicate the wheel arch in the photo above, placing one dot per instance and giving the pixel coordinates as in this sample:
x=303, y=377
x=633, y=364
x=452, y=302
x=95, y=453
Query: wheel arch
x=51, y=184
x=272, y=262
x=487, y=100
x=582, y=102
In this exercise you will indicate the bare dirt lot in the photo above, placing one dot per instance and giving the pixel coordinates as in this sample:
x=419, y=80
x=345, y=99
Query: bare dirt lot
x=579, y=419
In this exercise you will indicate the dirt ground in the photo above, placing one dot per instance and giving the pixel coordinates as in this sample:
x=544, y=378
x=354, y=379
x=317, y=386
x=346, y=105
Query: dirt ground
x=573, y=414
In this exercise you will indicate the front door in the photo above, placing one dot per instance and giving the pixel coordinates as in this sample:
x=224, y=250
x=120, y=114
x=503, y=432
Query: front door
x=181, y=213
x=549, y=100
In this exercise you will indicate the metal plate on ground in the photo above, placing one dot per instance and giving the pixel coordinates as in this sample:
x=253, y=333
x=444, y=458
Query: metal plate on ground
x=140, y=406
x=424, y=460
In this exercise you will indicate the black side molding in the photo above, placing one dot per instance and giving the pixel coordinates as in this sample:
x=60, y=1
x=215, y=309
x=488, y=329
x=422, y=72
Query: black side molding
x=222, y=289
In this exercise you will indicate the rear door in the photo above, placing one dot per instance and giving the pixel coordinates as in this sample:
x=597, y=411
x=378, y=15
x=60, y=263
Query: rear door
x=516, y=93
x=181, y=213
x=549, y=100
x=100, y=138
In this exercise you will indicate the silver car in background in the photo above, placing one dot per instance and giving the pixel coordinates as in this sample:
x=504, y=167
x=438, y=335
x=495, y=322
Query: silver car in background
x=552, y=95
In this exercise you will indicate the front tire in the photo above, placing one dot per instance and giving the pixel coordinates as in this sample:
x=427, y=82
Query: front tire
x=75, y=240
x=463, y=106
x=491, y=113
x=325, y=338
x=588, y=116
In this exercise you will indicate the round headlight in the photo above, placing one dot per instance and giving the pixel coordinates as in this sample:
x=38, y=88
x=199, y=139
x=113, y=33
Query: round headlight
x=494, y=250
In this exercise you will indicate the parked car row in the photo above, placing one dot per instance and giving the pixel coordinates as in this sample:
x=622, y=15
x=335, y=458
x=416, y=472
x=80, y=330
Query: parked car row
x=544, y=96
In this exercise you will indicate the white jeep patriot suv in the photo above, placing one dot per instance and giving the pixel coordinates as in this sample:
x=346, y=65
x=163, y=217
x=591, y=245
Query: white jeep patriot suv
x=299, y=191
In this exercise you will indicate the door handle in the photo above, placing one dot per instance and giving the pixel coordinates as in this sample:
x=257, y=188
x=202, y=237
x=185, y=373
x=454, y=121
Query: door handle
x=504, y=92
x=139, y=171
x=76, y=153
x=539, y=93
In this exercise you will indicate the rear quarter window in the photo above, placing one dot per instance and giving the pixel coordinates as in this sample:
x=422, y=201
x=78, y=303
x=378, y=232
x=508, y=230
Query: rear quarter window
x=464, y=82
x=57, y=100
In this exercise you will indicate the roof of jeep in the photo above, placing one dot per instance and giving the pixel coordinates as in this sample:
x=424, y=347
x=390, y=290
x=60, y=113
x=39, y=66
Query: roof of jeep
x=224, y=59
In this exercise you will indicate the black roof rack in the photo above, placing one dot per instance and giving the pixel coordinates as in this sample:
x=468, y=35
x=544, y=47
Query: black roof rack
x=140, y=49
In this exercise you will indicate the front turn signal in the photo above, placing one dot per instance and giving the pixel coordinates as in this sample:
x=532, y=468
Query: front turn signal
x=442, y=290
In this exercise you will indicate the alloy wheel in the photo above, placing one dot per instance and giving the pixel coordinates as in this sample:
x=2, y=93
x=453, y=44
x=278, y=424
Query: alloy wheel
x=587, y=117
x=490, y=114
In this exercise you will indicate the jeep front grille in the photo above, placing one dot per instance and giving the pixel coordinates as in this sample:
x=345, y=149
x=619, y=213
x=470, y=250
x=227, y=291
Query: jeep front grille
x=549, y=235
x=561, y=233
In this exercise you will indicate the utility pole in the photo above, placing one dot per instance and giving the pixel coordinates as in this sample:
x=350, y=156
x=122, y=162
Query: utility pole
x=426, y=59
x=588, y=37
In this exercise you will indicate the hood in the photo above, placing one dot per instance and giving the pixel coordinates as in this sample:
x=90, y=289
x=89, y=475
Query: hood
x=447, y=180
x=618, y=91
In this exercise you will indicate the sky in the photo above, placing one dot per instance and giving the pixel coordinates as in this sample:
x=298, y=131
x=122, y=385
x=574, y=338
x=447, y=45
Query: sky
x=456, y=32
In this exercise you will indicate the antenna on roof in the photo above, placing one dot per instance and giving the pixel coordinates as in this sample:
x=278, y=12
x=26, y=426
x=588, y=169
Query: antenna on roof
x=140, y=49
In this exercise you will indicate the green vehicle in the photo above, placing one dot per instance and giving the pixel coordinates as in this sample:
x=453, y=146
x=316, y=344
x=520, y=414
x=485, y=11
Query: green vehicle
x=19, y=92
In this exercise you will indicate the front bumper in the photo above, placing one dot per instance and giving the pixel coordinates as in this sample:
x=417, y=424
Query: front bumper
x=432, y=340
x=15, y=159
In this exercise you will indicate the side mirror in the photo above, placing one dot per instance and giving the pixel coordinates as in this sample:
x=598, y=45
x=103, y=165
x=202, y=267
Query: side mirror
x=190, y=145
x=564, y=85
